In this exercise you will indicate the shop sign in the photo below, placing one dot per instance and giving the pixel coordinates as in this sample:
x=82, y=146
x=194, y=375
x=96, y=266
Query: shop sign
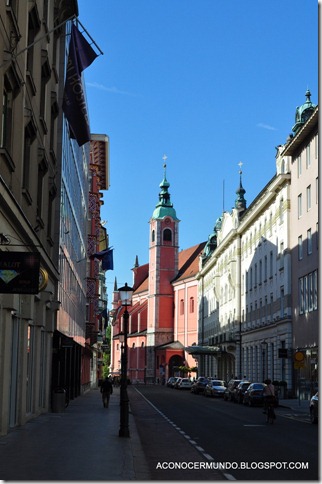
x=19, y=272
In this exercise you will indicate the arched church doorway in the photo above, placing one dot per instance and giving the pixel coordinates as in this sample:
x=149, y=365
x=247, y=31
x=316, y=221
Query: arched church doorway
x=174, y=362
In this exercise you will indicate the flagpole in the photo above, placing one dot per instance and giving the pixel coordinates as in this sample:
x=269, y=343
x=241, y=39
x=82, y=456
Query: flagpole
x=48, y=33
x=80, y=23
x=38, y=40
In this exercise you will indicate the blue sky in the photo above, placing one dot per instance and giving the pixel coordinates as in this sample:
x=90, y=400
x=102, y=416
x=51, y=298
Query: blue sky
x=209, y=83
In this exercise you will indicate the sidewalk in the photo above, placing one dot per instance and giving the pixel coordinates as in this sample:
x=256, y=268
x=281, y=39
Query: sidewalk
x=296, y=405
x=79, y=444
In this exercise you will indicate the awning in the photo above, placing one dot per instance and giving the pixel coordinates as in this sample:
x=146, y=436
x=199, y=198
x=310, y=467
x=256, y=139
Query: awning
x=203, y=350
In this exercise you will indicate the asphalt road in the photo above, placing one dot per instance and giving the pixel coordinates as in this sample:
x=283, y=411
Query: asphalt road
x=233, y=436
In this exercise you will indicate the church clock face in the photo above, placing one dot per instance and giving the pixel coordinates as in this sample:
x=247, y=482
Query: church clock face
x=167, y=221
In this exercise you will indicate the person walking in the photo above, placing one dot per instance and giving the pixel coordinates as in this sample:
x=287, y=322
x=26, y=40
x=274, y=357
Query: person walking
x=106, y=391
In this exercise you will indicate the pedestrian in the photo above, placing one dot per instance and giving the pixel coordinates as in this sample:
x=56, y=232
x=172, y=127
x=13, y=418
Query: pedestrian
x=106, y=391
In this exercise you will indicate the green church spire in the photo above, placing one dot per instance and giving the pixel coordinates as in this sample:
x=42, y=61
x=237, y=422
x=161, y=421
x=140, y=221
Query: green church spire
x=164, y=208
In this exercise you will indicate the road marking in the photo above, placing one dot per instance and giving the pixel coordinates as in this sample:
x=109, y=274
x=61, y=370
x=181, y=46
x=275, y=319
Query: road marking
x=192, y=442
x=229, y=477
x=254, y=425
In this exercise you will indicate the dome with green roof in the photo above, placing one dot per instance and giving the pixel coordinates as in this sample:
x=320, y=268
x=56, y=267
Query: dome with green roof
x=164, y=208
x=303, y=112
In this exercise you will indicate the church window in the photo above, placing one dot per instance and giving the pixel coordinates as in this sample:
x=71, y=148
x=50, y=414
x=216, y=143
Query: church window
x=192, y=305
x=153, y=236
x=181, y=306
x=167, y=235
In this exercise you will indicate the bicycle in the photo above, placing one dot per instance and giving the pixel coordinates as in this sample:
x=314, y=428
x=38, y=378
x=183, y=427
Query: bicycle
x=270, y=412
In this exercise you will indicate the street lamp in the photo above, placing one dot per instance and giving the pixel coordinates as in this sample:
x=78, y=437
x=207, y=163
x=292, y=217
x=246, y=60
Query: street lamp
x=264, y=346
x=126, y=300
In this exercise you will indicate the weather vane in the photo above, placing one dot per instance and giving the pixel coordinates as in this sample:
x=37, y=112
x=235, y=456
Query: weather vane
x=164, y=157
x=240, y=164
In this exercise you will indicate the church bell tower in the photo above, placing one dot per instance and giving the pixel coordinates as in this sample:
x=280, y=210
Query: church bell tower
x=163, y=267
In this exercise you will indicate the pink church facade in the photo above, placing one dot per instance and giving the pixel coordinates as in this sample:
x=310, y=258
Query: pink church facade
x=163, y=318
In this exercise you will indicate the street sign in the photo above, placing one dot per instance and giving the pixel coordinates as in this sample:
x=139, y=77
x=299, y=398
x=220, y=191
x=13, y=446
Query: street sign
x=299, y=360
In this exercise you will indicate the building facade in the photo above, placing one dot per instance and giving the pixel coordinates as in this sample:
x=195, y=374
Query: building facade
x=44, y=211
x=30, y=60
x=258, y=279
x=303, y=153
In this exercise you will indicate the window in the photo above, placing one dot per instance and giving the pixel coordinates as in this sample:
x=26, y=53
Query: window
x=6, y=119
x=181, y=306
x=265, y=268
x=308, y=292
x=315, y=289
x=167, y=235
x=260, y=271
x=282, y=255
x=317, y=190
x=271, y=264
x=299, y=205
x=282, y=302
x=300, y=247
x=309, y=242
x=299, y=166
x=30, y=135
x=308, y=156
x=301, y=295
x=42, y=170
x=255, y=271
x=281, y=210
x=308, y=198
x=153, y=236
x=192, y=305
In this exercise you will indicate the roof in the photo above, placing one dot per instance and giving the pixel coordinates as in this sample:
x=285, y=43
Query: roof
x=301, y=134
x=188, y=267
x=141, y=280
x=189, y=262
x=173, y=345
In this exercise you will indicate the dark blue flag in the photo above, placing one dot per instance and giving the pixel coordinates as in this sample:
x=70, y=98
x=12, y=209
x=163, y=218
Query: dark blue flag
x=81, y=55
x=106, y=256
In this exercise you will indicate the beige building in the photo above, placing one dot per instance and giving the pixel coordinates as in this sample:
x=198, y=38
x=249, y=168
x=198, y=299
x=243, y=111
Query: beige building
x=266, y=319
x=302, y=151
x=258, y=304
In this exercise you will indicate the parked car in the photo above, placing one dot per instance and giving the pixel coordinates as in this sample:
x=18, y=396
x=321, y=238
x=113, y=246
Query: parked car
x=184, y=384
x=199, y=385
x=314, y=404
x=239, y=391
x=232, y=384
x=171, y=381
x=176, y=383
x=215, y=388
x=254, y=394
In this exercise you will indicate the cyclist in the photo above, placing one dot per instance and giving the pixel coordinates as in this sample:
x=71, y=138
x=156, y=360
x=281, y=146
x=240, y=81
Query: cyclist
x=269, y=394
